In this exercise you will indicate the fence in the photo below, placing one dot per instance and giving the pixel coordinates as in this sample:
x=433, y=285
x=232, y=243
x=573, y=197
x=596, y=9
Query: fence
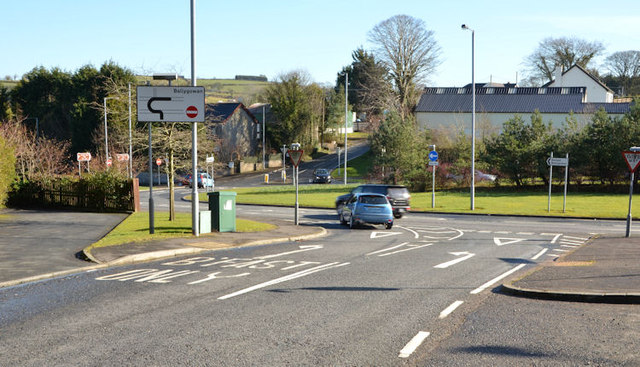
x=113, y=196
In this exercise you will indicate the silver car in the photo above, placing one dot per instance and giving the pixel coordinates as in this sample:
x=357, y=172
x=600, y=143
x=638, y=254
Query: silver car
x=367, y=208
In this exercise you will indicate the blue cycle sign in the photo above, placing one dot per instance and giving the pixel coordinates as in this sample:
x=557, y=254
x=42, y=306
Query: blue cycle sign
x=433, y=156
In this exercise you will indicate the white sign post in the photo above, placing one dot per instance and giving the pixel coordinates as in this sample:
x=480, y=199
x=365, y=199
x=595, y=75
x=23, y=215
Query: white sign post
x=561, y=162
x=433, y=162
x=162, y=104
x=83, y=157
x=172, y=104
x=633, y=160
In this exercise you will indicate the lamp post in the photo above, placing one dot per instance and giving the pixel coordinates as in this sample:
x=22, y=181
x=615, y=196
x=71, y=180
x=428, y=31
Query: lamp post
x=346, y=118
x=473, y=118
x=106, y=137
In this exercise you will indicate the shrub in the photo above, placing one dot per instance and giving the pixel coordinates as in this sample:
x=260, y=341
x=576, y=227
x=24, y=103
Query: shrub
x=7, y=169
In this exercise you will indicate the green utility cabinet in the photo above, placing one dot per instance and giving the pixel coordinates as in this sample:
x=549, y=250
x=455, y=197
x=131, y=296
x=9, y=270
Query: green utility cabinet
x=222, y=205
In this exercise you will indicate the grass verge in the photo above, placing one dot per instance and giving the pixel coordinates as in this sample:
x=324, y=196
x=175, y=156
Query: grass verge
x=588, y=205
x=136, y=228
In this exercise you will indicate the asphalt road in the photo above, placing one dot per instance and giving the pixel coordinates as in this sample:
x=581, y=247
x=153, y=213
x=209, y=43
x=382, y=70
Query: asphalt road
x=419, y=294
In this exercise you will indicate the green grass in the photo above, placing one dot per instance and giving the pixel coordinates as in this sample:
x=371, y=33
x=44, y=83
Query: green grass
x=136, y=228
x=590, y=205
x=357, y=168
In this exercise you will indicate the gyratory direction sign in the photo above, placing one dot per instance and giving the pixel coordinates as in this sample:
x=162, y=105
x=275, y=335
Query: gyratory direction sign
x=557, y=162
x=174, y=104
x=83, y=157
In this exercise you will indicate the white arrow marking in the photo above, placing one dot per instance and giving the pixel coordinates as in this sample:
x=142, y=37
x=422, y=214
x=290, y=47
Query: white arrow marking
x=302, y=249
x=383, y=234
x=506, y=241
x=466, y=255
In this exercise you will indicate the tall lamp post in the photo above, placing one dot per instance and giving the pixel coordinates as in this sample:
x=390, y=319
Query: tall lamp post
x=106, y=137
x=473, y=118
x=346, y=118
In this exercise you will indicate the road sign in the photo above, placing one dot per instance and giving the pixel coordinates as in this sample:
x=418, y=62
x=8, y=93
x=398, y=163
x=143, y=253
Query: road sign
x=557, y=162
x=159, y=161
x=433, y=163
x=175, y=104
x=210, y=159
x=295, y=156
x=122, y=157
x=109, y=162
x=632, y=159
x=83, y=157
x=433, y=156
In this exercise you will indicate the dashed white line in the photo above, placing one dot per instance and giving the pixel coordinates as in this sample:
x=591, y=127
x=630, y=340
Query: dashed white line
x=525, y=233
x=576, y=238
x=447, y=311
x=406, y=249
x=537, y=256
x=570, y=246
x=413, y=344
x=556, y=238
x=497, y=279
x=560, y=250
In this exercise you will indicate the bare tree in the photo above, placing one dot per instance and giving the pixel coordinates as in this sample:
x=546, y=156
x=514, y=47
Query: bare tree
x=409, y=51
x=624, y=65
x=563, y=52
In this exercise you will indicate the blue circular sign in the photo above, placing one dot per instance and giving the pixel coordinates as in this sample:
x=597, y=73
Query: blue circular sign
x=433, y=156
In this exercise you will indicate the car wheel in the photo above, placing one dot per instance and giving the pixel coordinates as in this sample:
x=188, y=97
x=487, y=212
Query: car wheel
x=342, y=221
x=388, y=225
x=351, y=224
x=397, y=215
x=339, y=208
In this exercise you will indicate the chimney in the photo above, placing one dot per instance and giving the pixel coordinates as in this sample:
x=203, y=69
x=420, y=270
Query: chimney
x=558, y=74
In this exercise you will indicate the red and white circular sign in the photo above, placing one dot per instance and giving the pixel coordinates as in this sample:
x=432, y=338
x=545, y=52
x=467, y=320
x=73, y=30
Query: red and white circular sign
x=109, y=161
x=192, y=111
x=158, y=161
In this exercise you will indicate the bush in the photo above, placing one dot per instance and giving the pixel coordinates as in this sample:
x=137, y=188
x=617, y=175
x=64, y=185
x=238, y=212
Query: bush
x=7, y=169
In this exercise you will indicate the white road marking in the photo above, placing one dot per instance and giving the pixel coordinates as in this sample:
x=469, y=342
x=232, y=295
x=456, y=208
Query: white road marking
x=484, y=231
x=302, y=249
x=413, y=344
x=388, y=249
x=576, y=238
x=447, y=311
x=556, y=238
x=506, y=241
x=502, y=232
x=560, y=250
x=375, y=234
x=415, y=234
x=570, y=246
x=497, y=279
x=554, y=255
x=465, y=255
x=570, y=242
x=537, y=256
x=407, y=249
x=525, y=233
x=284, y=279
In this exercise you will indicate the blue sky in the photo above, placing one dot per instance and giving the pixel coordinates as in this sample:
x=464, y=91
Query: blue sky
x=271, y=37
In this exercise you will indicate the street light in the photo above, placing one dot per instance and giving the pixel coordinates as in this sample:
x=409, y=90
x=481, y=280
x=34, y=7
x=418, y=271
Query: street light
x=106, y=138
x=473, y=118
x=346, y=118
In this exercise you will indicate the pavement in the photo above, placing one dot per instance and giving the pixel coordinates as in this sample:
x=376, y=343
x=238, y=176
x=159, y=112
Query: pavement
x=37, y=245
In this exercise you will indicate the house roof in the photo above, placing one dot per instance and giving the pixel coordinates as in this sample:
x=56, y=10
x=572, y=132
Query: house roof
x=588, y=74
x=513, y=100
x=221, y=112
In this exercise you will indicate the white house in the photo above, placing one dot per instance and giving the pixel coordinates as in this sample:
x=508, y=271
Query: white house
x=576, y=76
x=580, y=94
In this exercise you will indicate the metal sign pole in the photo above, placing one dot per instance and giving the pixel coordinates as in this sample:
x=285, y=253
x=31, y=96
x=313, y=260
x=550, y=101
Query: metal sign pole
x=151, y=219
x=550, y=180
x=433, y=188
x=566, y=182
x=630, y=198
x=296, y=213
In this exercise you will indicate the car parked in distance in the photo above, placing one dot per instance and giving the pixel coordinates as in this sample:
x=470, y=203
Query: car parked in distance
x=397, y=195
x=321, y=175
x=367, y=208
x=204, y=180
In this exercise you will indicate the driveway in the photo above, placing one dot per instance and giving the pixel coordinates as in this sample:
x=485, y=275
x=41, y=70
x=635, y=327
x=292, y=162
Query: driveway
x=35, y=242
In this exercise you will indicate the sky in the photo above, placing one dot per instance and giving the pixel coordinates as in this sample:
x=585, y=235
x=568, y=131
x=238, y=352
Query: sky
x=272, y=37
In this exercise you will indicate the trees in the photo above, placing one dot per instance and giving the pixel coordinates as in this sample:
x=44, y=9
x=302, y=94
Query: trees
x=290, y=106
x=7, y=168
x=625, y=66
x=563, y=52
x=409, y=52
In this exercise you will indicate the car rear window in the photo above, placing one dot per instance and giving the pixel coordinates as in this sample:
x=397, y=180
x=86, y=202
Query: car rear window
x=366, y=199
x=375, y=189
x=398, y=192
